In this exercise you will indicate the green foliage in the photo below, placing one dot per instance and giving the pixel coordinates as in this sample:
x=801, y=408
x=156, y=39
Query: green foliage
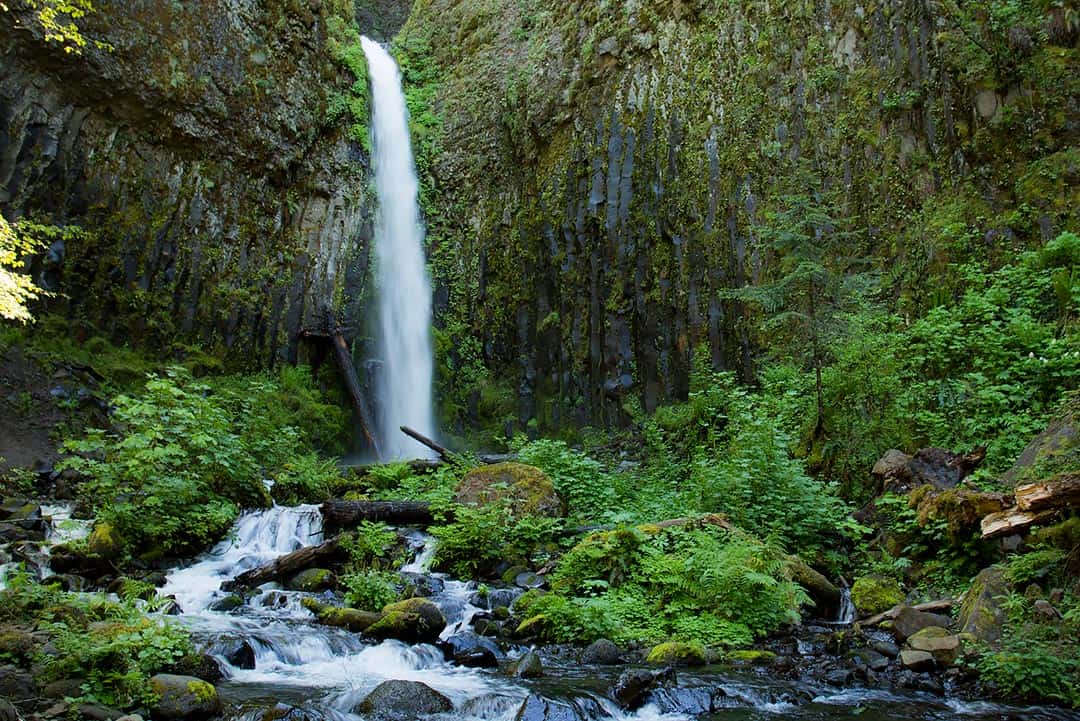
x=370, y=590
x=1027, y=567
x=17, y=288
x=647, y=585
x=580, y=480
x=371, y=545
x=481, y=536
x=114, y=646
x=344, y=45
x=172, y=473
x=307, y=478
x=58, y=19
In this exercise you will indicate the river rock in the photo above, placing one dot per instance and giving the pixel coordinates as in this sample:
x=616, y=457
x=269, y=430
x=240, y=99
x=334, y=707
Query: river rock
x=63, y=688
x=312, y=580
x=349, y=618
x=228, y=603
x=199, y=665
x=415, y=620
x=183, y=697
x=938, y=642
x=674, y=653
x=16, y=684
x=916, y=660
x=103, y=541
x=538, y=708
x=469, y=649
x=872, y=659
x=528, y=666
x=632, y=687
x=7, y=711
x=239, y=654
x=694, y=701
x=529, y=490
x=98, y=712
x=403, y=700
x=421, y=584
x=909, y=622
x=602, y=653
x=886, y=648
x=981, y=614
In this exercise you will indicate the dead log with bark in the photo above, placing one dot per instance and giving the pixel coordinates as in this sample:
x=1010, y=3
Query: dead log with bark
x=1036, y=504
x=930, y=606
x=346, y=514
x=288, y=565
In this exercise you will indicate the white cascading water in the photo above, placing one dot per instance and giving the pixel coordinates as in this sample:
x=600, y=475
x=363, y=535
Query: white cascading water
x=403, y=386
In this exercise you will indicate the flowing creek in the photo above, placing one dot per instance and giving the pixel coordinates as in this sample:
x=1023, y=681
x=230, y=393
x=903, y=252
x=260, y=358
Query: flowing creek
x=325, y=672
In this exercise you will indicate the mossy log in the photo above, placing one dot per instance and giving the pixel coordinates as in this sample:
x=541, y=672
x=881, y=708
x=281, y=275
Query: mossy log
x=344, y=514
x=287, y=565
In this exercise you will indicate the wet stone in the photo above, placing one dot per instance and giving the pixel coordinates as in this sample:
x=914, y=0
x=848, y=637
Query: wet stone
x=602, y=652
x=403, y=700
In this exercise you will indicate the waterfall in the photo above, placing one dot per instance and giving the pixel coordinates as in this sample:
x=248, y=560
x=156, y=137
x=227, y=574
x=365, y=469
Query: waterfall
x=403, y=386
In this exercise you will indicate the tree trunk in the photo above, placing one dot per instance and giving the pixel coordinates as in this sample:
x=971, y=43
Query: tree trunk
x=344, y=514
x=287, y=565
x=1012, y=520
x=443, y=451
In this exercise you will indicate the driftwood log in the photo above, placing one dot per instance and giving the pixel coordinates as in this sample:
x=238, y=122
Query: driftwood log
x=930, y=606
x=1036, y=504
x=287, y=565
x=344, y=514
x=441, y=450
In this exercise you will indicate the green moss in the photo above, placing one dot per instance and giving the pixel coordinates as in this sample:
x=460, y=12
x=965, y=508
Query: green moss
x=755, y=656
x=529, y=490
x=874, y=594
x=532, y=626
x=677, y=653
x=202, y=690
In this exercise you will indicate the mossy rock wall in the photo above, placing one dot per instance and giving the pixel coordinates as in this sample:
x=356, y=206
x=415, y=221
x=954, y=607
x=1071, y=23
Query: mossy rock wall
x=223, y=208
x=605, y=169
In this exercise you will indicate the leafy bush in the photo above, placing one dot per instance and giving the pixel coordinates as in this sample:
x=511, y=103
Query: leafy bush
x=371, y=544
x=646, y=585
x=481, y=536
x=1026, y=672
x=171, y=474
x=114, y=646
x=579, y=479
x=307, y=478
x=370, y=590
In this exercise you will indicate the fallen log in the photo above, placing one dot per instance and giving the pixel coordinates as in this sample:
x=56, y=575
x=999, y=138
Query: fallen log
x=930, y=606
x=344, y=514
x=443, y=451
x=416, y=465
x=1057, y=493
x=287, y=565
x=1012, y=521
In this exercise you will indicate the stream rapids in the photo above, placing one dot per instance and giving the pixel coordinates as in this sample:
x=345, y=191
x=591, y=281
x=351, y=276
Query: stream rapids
x=314, y=672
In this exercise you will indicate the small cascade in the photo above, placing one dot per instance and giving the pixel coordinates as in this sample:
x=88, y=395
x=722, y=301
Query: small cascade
x=845, y=615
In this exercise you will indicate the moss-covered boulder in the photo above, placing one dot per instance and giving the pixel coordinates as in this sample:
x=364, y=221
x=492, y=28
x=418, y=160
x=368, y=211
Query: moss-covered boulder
x=415, y=620
x=183, y=697
x=312, y=580
x=527, y=488
x=981, y=615
x=910, y=621
x=532, y=626
x=352, y=619
x=528, y=666
x=104, y=542
x=675, y=653
x=938, y=642
x=1055, y=450
x=874, y=594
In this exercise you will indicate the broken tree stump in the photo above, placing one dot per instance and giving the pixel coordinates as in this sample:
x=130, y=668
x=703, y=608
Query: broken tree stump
x=1013, y=520
x=1060, y=493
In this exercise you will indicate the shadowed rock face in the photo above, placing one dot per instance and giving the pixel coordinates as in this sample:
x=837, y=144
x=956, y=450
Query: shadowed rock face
x=224, y=208
x=381, y=19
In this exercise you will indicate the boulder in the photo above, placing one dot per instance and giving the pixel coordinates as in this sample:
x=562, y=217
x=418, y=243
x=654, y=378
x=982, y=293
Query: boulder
x=528, y=489
x=908, y=622
x=228, y=603
x=183, y=697
x=916, y=660
x=415, y=620
x=349, y=618
x=469, y=649
x=1045, y=612
x=16, y=684
x=886, y=648
x=199, y=665
x=602, y=653
x=938, y=642
x=528, y=666
x=981, y=614
x=403, y=700
x=674, y=653
x=239, y=654
x=104, y=542
x=8, y=712
x=63, y=688
x=872, y=659
x=889, y=467
x=312, y=580
x=874, y=594
x=632, y=688
x=98, y=712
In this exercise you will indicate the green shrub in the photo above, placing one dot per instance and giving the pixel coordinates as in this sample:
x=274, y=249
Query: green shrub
x=481, y=536
x=372, y=544
x=370, y=590
x=578, y=479
x=307, y=478
x=171, y=474
x=1031, y=673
